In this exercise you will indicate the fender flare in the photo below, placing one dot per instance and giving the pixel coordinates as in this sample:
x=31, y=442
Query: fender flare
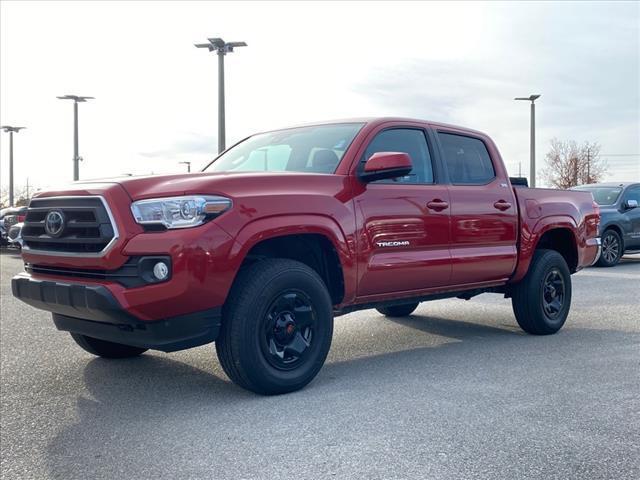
x=282, y=225
x=530, y=238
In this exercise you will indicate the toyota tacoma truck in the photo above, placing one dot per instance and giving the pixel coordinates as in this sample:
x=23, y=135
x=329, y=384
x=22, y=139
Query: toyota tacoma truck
x=287, y=229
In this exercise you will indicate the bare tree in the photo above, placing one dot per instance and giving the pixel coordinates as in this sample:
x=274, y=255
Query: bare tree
x=21, y=196
x=570, y=164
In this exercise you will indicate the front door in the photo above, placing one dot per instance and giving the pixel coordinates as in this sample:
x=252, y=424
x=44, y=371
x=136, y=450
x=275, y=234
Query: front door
x=404, y=239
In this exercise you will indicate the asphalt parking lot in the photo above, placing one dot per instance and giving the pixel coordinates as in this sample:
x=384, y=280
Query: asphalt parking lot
x=454, y=391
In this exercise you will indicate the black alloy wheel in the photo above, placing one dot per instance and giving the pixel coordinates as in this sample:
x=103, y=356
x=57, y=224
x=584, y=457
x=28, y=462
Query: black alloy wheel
x=553, y=293
x=277, y=326
x=288, y=327
x=542, y=299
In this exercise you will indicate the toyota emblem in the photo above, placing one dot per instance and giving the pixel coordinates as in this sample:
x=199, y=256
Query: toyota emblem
x=54, y=223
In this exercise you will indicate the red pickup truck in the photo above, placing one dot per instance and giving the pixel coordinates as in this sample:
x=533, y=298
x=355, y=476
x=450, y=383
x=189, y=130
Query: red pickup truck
x=289, y=228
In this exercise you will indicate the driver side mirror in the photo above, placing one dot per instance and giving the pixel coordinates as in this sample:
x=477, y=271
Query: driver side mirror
x=382, y=165
x=629, y=204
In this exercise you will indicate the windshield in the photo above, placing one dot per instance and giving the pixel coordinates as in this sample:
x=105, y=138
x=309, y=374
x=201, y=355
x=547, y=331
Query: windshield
x=314, y=149
x=603, y=195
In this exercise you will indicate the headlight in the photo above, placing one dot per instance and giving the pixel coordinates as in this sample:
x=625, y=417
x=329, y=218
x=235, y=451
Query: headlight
x=179, y=212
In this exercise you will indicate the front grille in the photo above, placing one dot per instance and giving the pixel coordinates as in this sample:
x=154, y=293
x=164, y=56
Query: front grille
x=86, y=227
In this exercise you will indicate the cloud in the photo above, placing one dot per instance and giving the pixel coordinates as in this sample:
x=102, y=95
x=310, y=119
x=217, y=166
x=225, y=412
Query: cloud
x=585, y=62
x=191, y=145
x=433, y=89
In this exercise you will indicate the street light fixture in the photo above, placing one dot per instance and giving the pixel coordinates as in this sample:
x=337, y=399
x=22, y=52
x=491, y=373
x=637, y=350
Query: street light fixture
x=532, y=164
x=221, y=48
x=11, y=131
x=76, y=157
x=188, y=164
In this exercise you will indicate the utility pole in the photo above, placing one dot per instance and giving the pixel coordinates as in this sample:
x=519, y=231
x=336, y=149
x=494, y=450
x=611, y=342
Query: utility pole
x=76, y=156
x=588, y=165
x=221, y=48
x=532, y=164
x=11, y=131
x=188, y=164
x=28, y=189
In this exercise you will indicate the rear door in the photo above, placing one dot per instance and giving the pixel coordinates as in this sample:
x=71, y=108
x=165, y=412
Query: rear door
x=403, y=241
x=484, y=217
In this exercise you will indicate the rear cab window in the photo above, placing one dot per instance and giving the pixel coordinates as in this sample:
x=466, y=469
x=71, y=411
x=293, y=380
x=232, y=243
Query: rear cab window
x=467, y=159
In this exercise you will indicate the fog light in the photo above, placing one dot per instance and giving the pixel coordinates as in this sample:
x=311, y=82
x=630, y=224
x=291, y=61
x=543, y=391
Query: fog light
x=161, y=271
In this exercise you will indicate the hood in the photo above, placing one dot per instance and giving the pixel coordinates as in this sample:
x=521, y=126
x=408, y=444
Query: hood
x=608, y=208
x=211, y=183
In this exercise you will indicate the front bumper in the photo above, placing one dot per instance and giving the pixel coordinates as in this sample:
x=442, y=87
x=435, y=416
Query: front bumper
x=92, y=310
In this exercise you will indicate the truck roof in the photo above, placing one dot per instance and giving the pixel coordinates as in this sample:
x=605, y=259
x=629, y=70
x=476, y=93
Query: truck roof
x=373, y=121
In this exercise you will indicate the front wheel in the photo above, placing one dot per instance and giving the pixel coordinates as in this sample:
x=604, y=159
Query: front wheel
x=541, y=300
x=611, y=249
x=276, y=328
x=102, y=348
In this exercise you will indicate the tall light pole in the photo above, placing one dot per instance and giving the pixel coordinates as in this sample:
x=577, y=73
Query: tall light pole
x=11, y=131
x=76, y=156
x=532, y=164
x=188, y=164
x=221, y=48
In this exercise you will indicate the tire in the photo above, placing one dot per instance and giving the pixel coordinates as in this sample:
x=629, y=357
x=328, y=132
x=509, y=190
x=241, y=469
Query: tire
x=104, y=349
x=612, y=249
x=541, y=300
x=398, y=310
x=277, y=326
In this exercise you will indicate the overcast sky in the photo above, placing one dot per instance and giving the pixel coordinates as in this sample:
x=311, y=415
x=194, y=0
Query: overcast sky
x=459, y=63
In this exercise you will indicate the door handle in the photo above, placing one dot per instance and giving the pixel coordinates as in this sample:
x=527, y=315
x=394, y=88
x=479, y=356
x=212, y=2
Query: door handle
x=437, y=205
x=502, y=205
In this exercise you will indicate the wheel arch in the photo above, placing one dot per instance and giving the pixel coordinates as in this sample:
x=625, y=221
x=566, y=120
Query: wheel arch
x=563, y=241
x=558, y=233
x=314, y=240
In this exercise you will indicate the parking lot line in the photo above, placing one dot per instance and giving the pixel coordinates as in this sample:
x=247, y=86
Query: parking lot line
x=609, y=274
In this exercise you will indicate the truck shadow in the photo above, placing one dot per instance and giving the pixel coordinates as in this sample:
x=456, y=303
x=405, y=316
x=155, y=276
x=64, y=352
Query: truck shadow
x=456, y=329
x=133, y=403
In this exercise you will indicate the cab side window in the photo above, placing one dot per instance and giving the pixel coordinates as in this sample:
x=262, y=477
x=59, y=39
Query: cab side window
x=467, y=159
x=407, y=140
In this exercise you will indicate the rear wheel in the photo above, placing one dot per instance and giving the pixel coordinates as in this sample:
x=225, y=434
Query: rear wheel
x=612, y=249
x=277, y=327
x=541, y=301
x=102, y=348
x=398, y=310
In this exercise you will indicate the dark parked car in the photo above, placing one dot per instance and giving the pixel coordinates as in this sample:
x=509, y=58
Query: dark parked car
x=619, y=221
